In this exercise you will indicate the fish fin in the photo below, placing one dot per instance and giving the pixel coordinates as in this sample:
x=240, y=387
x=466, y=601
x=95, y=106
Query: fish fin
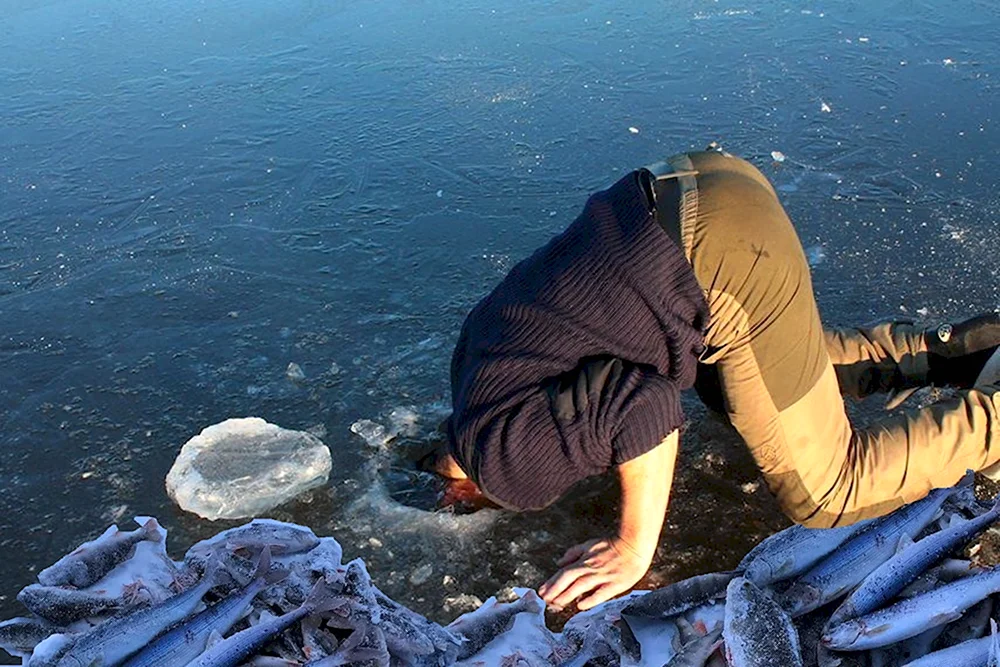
x=277, y=574
x=354, y=639
x=263, y=564
x=214, y=638
x=530, y=602
x=685, y=630
x=945, y=617
x=151, y=530
x=897, y=397
x=360, y=654
x=323, y=598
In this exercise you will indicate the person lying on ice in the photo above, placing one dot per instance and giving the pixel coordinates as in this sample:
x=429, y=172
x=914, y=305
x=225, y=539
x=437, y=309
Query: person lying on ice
x=689, y=272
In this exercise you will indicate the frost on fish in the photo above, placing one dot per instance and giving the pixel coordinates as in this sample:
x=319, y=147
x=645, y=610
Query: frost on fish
x=862, y=553
x=527, y=642
x=757, y=631
x=480, y=627
x=251, y=538
x=908, y=618
x=20, y=636
x=64, y=606
x=697, y=645
x=91, y=561
x=793, y=551
x=363, y=627
x=681, y=596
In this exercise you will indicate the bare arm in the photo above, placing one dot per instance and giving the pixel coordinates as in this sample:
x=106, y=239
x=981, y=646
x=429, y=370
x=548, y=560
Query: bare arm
x=646, y=483
x=608, y=567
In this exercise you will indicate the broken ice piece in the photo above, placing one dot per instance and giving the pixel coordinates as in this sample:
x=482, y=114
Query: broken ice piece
x=245, y=467
x=777, y=156
x=375, y=435
x=295, y=372
x=633, y=130
x=825, y=108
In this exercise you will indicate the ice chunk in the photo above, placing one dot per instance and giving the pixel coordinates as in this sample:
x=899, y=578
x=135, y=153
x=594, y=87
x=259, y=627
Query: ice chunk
x=295, y=373
x=404, y=421
x=373, y=433
x=777, y=156
x=422, y=574
x=244, y=467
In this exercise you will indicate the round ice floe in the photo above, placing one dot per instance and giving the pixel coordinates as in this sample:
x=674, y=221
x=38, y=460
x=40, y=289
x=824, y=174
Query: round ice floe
x=244, y=467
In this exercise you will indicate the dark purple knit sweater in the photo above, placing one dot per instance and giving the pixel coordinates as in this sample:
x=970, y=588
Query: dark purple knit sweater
x=575, y=362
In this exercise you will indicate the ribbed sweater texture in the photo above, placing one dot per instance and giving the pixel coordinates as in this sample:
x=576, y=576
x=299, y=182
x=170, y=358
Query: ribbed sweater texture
x=575, y=361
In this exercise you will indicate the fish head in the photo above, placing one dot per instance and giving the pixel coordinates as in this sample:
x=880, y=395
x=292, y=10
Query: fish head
x=760, y=572
x=843, y=635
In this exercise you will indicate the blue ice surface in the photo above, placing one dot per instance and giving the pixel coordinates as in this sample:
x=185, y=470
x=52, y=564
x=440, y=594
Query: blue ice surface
x=196, y=194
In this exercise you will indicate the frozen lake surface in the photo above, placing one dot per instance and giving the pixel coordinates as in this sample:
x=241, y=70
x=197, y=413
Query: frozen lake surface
x=197, y=194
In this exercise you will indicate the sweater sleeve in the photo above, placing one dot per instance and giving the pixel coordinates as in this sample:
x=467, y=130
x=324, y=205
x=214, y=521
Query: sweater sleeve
x=605, y=412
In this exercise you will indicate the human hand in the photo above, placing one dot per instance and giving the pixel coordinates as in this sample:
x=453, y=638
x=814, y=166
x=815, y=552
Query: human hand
x=603, y=568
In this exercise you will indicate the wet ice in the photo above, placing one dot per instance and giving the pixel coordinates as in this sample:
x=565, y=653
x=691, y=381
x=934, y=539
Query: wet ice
x=245, y=467
x=301, y=195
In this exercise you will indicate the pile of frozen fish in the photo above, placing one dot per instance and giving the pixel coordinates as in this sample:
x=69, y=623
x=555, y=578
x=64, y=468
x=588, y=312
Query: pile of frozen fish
x=887, y=591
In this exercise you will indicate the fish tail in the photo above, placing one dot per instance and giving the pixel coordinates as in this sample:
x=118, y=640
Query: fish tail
x=266, y=571
x=263, y=564
x=530, y=602
x=150, y=530
x=323, y=598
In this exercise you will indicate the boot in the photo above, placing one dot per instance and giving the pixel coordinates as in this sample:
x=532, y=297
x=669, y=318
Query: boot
x=965, y=355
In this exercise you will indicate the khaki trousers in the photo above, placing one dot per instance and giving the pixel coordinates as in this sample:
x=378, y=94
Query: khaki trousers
x=781, y=376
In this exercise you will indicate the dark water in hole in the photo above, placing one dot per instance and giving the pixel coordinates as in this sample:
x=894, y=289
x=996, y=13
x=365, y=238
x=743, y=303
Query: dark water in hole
x=196, y=194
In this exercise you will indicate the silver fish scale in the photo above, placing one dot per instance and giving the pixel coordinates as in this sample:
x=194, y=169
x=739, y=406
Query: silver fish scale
x=860, y=555
x=481, y=629
x=902, y=568
x=912, y=616
x=120, y=636
x=64, y=605
x=974, y=623
x=681, y=596
x=19, y=636
x=792, y=551
x=973, y=653
x=186, y=642
x=758, y=633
